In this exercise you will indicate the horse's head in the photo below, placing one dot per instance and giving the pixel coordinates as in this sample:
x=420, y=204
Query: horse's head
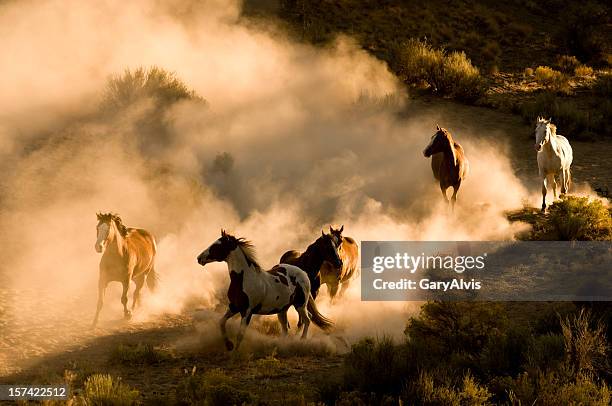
x=439, y=142
x=103, y=230
x=542, y=132
x=336, y=234
x=328, y=249
x=219, y=250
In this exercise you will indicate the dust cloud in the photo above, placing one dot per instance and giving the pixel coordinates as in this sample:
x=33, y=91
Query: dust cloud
x=291, y=138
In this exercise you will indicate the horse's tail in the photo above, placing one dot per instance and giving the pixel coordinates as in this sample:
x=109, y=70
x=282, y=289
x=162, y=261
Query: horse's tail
x=152, y=279
x=317, y=318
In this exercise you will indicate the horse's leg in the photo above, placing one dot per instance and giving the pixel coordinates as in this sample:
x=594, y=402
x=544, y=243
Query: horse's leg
x=101, y=290
x=562, y=180
x=282, y=319
x=553, y=182
x=305, y=319
x=228, y=314
x=140, y=280
x=244, y=323
x=543, y=193
x=344, y=288
x=454, y=197
x=443, y=189
x=315, y=285
x=333, y=289
x=124, y=299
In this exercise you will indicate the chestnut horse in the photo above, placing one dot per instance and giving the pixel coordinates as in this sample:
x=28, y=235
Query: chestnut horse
x=448, y=162
x=129, y=254
x=349, y=255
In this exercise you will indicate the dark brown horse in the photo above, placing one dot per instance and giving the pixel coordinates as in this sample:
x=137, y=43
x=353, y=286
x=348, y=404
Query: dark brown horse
x=448, y=162
x=349, y=255
x=310, y=261
x=129, y=254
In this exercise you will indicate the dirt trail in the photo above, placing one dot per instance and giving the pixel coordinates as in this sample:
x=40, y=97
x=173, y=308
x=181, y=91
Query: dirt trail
x=35, y=337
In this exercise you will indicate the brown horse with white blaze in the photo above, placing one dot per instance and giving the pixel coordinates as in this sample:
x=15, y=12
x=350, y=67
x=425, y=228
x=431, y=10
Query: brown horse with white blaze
x=448, y=162
x=334, y=276
x=128, y=254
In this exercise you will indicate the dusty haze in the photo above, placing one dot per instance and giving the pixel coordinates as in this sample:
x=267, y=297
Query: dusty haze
x=291, y=139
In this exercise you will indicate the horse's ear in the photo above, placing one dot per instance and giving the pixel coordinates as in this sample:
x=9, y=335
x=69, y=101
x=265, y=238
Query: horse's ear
x=437, y=127
x=223, y=233
x=322, y=233
x=341, y=228
x=331, y=230
x=550, y=119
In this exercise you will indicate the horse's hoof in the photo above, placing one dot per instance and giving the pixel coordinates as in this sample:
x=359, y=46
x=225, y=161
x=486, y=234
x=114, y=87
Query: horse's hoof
x=229, y=345
x=127, y=316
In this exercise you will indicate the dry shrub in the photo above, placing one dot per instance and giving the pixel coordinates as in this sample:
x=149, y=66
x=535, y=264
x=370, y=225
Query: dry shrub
x=579, y=219
x=449, y=74
x=214, y=388
x=103, y=390
x=586, y=346
x=567, y=63
x=552, y=79
x=583, y=71
x=428, y=392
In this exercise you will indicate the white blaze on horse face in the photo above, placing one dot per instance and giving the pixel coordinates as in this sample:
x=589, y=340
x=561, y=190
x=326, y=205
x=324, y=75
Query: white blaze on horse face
x=103, y=229
x=204, y=257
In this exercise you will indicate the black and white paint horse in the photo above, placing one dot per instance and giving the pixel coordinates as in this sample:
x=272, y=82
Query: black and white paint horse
x=255, y=291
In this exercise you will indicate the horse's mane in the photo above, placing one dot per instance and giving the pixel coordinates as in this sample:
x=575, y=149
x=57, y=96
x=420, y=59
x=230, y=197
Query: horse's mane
x=248, y=249
x=451, y=143
x=107, y=217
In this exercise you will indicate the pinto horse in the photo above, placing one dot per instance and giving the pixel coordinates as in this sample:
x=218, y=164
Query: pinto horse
x=310, y=261
x=554, y=158
x=128, y=254
x=349, y=255
x=255, y=291
x=448, y=162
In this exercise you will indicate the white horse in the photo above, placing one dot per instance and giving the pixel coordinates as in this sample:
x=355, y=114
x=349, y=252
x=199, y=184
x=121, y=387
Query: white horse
x=554, y=157
x=255, y=291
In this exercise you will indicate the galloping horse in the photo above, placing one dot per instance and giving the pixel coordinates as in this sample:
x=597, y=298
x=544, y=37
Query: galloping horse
x=349, y=255
x=554, y=156
x=254, y=291
x=310, y=261
x=129, y=254
x=448, y=162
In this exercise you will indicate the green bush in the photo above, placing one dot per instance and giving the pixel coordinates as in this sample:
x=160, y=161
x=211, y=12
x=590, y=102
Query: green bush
x=578, y=219
x=449, y=74
x=102, y=390
x=214, y=388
